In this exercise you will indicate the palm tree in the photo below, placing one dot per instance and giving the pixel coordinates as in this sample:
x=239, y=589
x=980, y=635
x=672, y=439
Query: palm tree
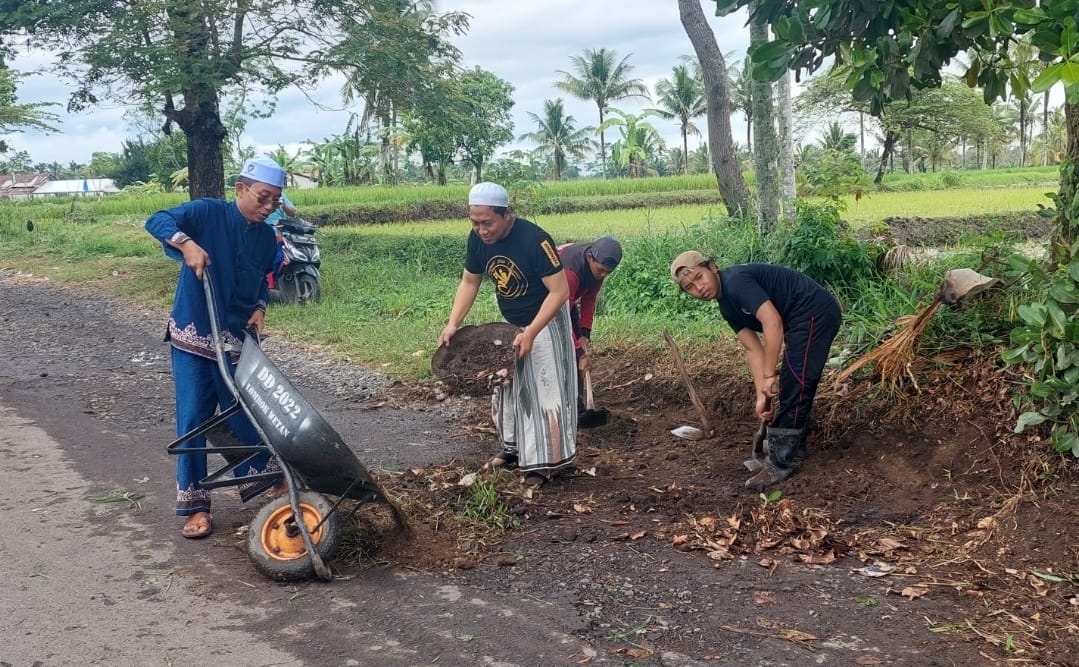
x=838, y=139
x=600, y=77
x=682, y=97
x=742, y=96
x=292, y=164
x=557, y=137
x=640, y=141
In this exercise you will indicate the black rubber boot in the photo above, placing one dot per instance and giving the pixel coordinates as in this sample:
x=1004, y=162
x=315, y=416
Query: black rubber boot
x=801, y=452
x=782, y=444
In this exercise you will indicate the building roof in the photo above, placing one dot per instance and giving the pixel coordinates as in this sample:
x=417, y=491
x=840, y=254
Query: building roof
x=77, y=186
x=21, y=184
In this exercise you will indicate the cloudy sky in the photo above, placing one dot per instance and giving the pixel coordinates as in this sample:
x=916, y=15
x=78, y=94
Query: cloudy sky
x=524, y=42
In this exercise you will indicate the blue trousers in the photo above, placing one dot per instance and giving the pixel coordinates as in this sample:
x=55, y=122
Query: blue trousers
x=200, y=391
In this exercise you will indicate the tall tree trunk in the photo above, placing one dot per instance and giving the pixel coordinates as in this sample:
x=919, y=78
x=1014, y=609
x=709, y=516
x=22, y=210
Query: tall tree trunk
x=908, y=157
x=861, y=134
x=200, y=120
x=786, y=143
x=1045, y=128
x=732, y=186
x=765, y=152
x=1068, y=211
x=602, y=145
x=886, y=154
x=396, y=149
x=1023, y=131
x=685, y=151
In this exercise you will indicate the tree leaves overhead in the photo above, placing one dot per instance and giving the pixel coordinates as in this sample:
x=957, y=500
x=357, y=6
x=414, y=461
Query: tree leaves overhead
x=179, y=57
x=16, y=117
x=890, y=47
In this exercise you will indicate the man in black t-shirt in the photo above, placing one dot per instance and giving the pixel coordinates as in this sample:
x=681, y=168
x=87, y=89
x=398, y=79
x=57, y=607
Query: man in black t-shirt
x=766, y=306
x=537, y=414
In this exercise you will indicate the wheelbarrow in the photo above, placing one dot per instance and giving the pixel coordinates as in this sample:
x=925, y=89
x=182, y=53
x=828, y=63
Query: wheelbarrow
x=292, y=537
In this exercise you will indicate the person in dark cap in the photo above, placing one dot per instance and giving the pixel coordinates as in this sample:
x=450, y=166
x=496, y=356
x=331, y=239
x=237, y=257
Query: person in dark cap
x=779, y=315
x=587, y=265
x=227, y=240
x=536, y=414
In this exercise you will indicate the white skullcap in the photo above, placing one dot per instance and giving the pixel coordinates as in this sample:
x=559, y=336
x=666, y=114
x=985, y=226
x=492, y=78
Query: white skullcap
x=488, y=194
x=264, y=170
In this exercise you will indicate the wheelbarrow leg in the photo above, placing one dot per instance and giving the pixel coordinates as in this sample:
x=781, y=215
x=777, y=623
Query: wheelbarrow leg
x=320, y=568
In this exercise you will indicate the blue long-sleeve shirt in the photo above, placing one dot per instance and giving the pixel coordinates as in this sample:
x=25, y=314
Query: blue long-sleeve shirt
x=241, y=254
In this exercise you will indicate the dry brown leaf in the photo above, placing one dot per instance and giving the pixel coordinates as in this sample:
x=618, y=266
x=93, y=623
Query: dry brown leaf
x=892, y=545
x=796, y=636
x=766, y=562
x=679, y=540
x=638, y=653
x=823, y=559
x=638, y=535
x=707, y=522
x=1041, y=589
x=988, y=523
x=768, y=623
x=914, y=592
x=867, y=660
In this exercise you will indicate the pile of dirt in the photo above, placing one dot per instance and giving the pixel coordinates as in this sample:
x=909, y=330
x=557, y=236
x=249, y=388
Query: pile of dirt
x=946, y=231
x=926, y=484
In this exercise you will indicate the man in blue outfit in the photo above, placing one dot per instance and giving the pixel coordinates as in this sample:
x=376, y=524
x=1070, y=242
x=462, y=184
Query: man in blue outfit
x=228, y=240
x=780, y=316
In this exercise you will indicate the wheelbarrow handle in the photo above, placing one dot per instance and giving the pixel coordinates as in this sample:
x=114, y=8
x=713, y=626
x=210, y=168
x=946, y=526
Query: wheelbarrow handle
x=589, y=400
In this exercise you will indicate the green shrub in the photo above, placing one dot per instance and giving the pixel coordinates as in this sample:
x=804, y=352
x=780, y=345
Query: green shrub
x=642, y=282
x=817, y=243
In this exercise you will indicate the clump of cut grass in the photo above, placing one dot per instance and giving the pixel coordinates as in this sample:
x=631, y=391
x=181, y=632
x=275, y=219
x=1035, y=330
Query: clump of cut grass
x=119, y=496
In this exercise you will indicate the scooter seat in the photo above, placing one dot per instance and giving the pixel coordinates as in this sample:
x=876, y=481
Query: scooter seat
x=298, y=226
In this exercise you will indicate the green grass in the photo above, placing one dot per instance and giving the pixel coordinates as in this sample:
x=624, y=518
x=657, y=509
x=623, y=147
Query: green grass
x=943, y=203
x=388, y=288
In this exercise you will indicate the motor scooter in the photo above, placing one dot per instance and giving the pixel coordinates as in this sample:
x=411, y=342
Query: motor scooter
x=297, y=279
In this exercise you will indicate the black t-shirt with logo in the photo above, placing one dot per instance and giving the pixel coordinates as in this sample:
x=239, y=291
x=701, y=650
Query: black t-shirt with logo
x=745, y=287
x=517, y=265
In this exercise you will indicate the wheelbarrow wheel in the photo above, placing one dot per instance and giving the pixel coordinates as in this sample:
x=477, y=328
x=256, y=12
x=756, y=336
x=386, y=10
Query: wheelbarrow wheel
x=275, y=545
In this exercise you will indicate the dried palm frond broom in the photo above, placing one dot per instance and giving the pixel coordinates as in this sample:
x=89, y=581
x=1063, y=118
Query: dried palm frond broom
x=893, y=356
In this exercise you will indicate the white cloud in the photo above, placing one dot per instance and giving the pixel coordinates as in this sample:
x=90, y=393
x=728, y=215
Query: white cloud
x=524, y=42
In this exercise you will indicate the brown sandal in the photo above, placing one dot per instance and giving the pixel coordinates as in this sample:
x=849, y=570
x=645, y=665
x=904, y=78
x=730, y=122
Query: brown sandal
x=198, y=526
x=505, y=460
x=535, y=480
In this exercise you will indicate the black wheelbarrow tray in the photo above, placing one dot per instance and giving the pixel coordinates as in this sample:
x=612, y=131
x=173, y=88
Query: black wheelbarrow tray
x=311, y=455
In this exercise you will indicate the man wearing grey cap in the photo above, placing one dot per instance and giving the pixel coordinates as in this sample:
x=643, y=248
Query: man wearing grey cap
x=587, y=265
x=227, y=240
x=778, y=314
x=537, y=413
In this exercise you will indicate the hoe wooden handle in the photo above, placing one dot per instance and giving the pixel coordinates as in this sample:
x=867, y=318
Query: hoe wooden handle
x=681, y=364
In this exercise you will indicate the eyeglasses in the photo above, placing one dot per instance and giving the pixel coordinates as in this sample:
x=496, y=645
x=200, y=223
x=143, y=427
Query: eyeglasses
x=264, y=198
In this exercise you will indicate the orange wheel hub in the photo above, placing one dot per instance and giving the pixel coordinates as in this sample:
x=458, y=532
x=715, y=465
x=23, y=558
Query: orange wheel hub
x=281, y=538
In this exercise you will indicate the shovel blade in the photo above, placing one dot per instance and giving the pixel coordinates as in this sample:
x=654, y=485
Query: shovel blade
x=688, y=433
x=593, y=418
